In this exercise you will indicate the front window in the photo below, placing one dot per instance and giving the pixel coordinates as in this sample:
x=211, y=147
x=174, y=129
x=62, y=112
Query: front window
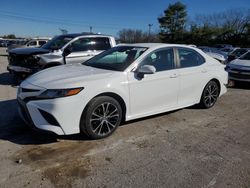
x=57, y=42
x=117, y=58
x=246, y=56
x=162, y=60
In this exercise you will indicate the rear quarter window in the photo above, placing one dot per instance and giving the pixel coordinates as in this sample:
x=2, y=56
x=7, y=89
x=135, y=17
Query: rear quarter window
x=189, y=58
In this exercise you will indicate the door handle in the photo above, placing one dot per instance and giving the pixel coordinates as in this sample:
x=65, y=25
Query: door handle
x=173, y=76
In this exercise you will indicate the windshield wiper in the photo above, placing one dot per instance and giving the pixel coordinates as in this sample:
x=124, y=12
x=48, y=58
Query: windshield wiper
x=100, y=66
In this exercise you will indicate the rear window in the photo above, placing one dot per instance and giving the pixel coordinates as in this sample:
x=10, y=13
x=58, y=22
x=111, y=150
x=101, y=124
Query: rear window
x=189, y=58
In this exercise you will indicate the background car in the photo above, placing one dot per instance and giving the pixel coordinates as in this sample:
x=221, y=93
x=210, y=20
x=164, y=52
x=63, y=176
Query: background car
x=239, y=69
x=228, y=50
x=215, y=53
x=123, y=83
x=68, y=48
x=35, y=42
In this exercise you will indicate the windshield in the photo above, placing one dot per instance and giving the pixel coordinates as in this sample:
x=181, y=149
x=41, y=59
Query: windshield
x=238, y=52
x=245, y=56
x=117, y=58
x=57, y=42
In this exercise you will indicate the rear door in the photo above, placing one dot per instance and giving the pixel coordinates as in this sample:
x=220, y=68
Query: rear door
x=193, y=75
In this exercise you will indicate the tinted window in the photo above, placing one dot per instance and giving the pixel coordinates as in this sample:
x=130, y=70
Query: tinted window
x=189, y=58
x=162, y=60
x=85, y=44
x=100, y=43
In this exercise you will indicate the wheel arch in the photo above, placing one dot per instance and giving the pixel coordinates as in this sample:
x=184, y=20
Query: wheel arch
x=218, y=83
x=117, y=97
x=215, y=80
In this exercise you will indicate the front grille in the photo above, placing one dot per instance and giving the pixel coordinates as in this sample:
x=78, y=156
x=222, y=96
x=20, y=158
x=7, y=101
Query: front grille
x=240, y=70
x=239, y=76
x=26, y=61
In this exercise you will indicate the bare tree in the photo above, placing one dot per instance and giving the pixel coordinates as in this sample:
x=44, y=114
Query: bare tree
x=135, y=36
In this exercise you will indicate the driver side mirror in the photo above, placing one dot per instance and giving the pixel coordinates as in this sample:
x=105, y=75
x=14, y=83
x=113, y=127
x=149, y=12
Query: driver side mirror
x=66, y=52
x=145, y=69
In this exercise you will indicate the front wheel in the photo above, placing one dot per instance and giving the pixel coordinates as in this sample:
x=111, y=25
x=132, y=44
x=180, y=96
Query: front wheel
x=101, y=117
x=210, y=95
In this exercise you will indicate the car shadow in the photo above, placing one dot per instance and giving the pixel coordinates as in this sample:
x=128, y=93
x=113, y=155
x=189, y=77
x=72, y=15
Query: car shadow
x=7, y=79
x=241, y=85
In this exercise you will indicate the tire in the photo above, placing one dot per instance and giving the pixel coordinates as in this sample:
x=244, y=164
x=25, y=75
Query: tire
x=101, y=117
x=210, y=95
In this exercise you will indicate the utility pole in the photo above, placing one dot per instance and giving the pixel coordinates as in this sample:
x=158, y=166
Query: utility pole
x=149, y=31
x=90, y=29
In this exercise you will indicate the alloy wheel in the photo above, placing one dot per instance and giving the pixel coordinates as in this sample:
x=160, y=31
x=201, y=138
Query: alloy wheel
x=104, y=119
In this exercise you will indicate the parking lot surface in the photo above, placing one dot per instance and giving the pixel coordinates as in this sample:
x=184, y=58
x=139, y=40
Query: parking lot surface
x=185, y=148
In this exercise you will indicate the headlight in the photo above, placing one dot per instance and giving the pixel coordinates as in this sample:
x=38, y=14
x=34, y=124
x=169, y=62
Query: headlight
x=57, y=93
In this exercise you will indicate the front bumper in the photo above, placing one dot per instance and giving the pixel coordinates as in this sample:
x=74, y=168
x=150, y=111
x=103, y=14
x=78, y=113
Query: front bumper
x=60, y=115
x=25, y=114
x=18, y=69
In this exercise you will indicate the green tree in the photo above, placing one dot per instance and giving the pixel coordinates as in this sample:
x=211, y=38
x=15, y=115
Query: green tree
x=10, y=36
x=172, y=23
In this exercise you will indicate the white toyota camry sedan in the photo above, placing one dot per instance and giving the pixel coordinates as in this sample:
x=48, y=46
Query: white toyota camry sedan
x=123, y=83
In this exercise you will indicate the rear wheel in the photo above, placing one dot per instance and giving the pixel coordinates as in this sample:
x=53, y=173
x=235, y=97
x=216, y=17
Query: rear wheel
x=210, y=95
x=101, y=117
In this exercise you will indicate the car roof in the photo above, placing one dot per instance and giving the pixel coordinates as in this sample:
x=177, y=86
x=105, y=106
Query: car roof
x=73, y=35
x=157, y=45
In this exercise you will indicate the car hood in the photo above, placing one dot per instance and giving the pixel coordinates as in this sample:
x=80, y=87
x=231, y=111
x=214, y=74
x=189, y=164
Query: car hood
x=67, y=76
x=239, y=63
x=29, y=51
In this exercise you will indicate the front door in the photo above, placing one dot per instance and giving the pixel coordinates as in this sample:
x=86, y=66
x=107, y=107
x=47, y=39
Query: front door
x=155, y=92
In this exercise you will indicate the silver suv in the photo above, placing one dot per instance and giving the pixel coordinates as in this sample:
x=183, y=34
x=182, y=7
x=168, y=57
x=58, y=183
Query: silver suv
x=69, y=48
